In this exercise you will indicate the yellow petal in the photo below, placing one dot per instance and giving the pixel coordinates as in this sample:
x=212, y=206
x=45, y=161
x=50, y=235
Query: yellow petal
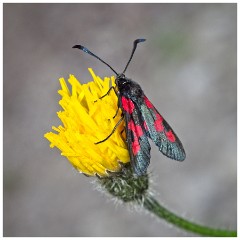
x=87, y=119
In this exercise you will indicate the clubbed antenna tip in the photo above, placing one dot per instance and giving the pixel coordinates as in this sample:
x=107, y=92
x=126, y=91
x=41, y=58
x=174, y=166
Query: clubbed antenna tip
x=84, y=49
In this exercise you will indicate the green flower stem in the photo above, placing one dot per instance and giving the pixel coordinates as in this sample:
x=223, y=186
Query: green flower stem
x=153, y=206
x=129, y=188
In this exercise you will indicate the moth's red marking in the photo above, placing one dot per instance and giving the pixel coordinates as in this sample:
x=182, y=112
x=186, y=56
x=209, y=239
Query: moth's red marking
x=131, y=125
x=137, y=130
x=137, y=133
x=158, y=124
x=170, y=136
x=135, y=147
x=127, y=105
x=158, y=116
x=147, y=102
x=145, y=125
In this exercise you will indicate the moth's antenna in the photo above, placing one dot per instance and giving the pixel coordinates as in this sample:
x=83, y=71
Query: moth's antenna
x=134, y=48
x=90, y=53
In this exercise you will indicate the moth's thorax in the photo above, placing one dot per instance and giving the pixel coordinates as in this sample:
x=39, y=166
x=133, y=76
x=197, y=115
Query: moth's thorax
x=128, y=87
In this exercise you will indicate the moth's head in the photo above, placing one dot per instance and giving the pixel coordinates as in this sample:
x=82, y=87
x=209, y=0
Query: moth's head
x=120, y=76
x=128, y=87
x=121, y=81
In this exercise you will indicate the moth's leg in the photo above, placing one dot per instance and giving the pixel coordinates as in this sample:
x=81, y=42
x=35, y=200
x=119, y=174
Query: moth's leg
x=116, y=112
x=119, y=106
x=114, y=129
x=117, y=93
x=107, y=92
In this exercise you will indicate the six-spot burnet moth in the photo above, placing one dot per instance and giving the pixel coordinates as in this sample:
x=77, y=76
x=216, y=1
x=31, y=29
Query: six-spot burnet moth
x=142, y=120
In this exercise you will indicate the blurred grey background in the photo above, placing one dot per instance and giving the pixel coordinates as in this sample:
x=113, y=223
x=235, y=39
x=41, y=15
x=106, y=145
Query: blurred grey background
x=187, y=67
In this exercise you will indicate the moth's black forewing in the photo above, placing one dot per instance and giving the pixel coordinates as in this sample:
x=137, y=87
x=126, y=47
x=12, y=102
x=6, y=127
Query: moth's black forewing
x=145, y=121
x=138, y=146
x=166, y=140
x=130, y=95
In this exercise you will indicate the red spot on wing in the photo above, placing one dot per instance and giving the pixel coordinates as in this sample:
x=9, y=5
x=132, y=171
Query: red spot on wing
x=137, y=130
x=158, y=124
x=148, y=103
x=135, y=147
x=137, y=133
x=170, y=136
x=131, y=125
x=127, y=105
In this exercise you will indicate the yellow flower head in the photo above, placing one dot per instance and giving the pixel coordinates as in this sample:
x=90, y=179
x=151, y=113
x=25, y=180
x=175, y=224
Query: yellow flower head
x=86, y=119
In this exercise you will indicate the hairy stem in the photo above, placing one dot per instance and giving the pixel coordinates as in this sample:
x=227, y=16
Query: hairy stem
x=153, y=206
